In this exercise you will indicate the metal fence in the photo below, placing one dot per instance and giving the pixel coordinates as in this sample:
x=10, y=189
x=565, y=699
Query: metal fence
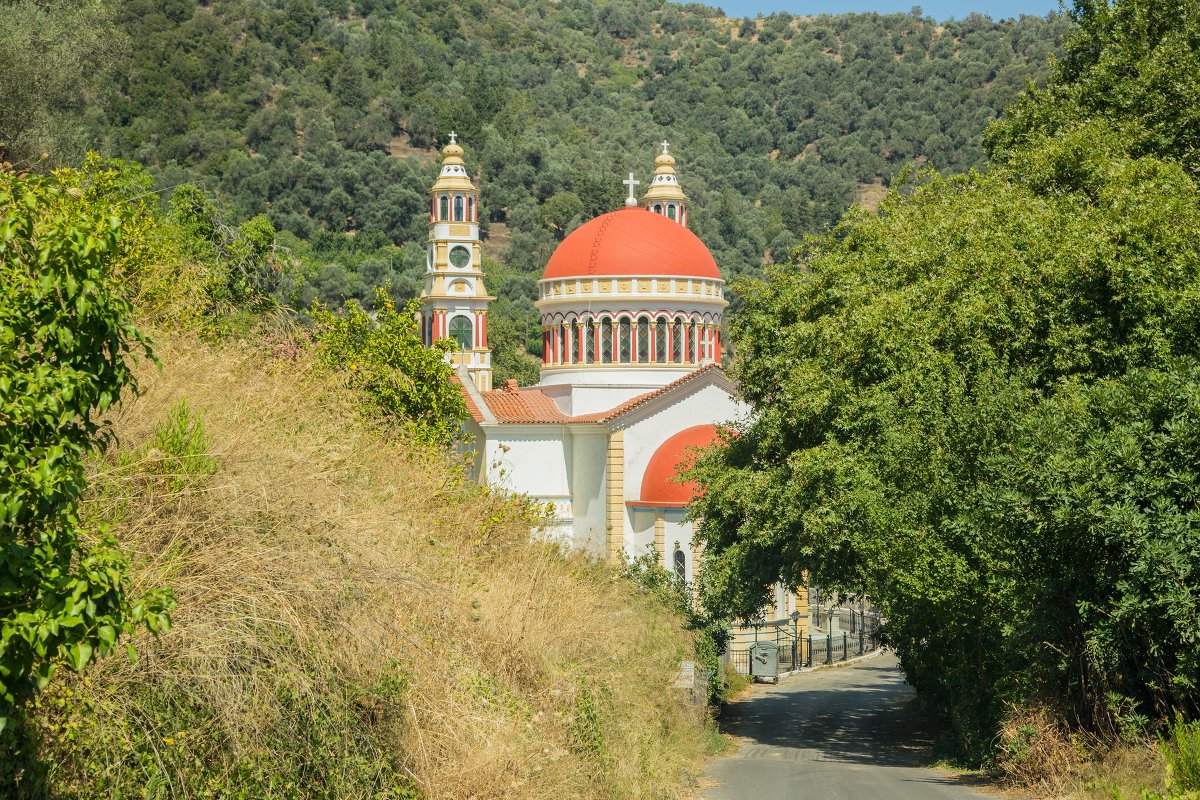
x=801, y=647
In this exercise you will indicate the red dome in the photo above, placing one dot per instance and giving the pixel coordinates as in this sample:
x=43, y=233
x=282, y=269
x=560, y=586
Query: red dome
x=632, y=241
x=659, y=486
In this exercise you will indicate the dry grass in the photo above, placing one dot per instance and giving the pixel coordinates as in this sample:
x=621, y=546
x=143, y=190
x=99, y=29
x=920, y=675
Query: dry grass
x=354, y=620
x=1039, y=756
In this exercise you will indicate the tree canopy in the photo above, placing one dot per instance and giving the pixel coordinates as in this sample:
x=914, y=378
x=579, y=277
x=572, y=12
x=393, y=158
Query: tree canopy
x=978, y=408
x=324, y=117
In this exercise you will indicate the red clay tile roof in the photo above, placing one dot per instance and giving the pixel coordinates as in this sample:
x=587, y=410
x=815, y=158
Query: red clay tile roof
x=531, y=405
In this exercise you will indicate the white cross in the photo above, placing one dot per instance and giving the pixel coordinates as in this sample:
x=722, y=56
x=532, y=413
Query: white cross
x=631, y=183
x=454, y=138
x=664, y=144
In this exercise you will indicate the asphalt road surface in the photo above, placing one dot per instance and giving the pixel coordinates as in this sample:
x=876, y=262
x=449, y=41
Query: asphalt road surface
x=832, y=734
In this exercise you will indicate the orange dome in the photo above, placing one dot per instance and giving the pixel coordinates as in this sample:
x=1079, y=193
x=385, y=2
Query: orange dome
x=632, y=241
x=659, y=486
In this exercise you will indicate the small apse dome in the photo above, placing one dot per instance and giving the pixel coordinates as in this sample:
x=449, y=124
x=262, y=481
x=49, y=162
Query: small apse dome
x=659, y=483
x=631, y=241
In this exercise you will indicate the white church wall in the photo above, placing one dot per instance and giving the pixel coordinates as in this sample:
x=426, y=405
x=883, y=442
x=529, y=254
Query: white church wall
x=589, y=446
x=677, y=530
x=588, y=391
x=639, y=538
x=534, y=460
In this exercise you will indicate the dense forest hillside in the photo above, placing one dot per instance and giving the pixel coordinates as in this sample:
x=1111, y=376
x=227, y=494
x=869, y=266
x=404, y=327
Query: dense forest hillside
x=325, y=115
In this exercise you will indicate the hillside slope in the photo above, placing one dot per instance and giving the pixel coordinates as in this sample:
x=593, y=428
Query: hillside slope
x=324, y=114
x=354, y=620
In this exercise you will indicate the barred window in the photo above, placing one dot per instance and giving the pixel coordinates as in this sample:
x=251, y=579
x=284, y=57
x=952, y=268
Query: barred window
x=625, y=342
x=677, y=334
x=460, y=332
x=606, y=334
x=589, y=343
x=661, y=343
x=643, y=340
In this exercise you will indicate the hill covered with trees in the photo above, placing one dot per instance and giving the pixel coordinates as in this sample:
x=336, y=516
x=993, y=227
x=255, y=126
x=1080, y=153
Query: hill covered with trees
x=324, y=115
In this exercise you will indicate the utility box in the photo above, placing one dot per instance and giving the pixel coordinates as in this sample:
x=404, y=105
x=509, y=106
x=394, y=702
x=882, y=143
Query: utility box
x=764, y=661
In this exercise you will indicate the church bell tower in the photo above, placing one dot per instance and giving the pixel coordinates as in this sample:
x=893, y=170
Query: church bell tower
x=665, y=197
x=454, y=301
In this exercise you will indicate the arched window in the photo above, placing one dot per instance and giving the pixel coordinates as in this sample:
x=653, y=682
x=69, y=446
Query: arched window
x=680, y=565
x=690, y=335
x=643, y=340
x=561, y=335
x=471, y=209
x=677, y=335
x=671, y=211
x=458, y=208
x=624, y=345
x=658, y=208
x=443, y=208
x=661, y=342
x=606, y=341
x=460, y=332
x=589, y=343
x=572, y=342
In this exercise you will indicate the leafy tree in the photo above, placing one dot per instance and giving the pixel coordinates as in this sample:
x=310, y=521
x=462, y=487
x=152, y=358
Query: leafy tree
x=977, y=408
x=1133, y=63
x=67, y=343
x=561, y=211
x=384, y=357
x=53, y=58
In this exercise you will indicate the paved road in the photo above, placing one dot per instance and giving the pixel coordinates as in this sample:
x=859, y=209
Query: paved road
x=833, y=734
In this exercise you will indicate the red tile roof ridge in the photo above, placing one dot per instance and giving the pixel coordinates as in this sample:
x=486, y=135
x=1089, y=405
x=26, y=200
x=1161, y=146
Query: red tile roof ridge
x=531, y=405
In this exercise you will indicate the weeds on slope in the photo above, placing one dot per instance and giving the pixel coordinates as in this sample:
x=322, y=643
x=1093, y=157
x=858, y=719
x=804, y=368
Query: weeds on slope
x=356, y=619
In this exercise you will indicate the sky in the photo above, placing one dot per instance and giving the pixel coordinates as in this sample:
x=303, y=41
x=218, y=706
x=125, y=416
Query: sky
x=939, y=9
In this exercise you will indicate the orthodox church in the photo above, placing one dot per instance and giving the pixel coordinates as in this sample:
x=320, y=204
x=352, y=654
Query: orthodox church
x=631, y=377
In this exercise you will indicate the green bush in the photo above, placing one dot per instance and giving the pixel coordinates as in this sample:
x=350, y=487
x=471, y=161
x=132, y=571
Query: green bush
x=385, y=358
x=67, y=343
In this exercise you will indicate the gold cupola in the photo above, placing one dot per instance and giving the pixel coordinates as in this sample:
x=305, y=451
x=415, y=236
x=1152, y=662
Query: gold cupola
x=665, y=197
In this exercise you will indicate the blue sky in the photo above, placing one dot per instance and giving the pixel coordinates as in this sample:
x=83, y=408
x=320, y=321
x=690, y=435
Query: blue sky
x=939, y=9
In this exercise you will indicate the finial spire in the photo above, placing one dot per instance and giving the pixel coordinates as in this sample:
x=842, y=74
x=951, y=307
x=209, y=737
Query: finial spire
x=664, y=144
x=454, y=138
x=631, y=200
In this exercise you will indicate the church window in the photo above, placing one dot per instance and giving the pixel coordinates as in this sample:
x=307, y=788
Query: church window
x=671, y=211
x=690, y=335
x=470, y=209
x=572, y=342
x=677, y=334
x=658, y=208
x=680, y=564
x=589, y=343
x=625, y=343
x=606, y=341
x=460, y=332
x=460, y=256
x=660, y=341
x=443, y=208
x=643, y=340
x=458, y=208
